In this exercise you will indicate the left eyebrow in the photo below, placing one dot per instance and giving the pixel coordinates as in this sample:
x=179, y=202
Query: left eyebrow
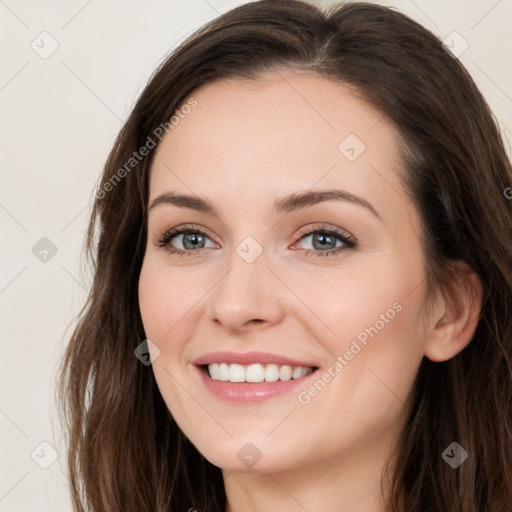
x=309, y=198
x=286, y=204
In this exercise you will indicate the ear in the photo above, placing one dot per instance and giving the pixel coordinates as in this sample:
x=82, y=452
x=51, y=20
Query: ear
x=457, y=313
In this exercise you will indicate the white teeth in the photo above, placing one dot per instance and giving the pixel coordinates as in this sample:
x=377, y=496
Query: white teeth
x=271, y=373
x=285, y=372
x=224, y=371
x=256, y=372
x=214, y=371
x=236, y=373
x=297, y=372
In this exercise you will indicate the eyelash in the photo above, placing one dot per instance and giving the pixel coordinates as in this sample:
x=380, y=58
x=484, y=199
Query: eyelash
x=349, y=241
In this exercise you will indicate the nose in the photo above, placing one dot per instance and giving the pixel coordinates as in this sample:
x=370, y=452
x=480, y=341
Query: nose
x=248, y=296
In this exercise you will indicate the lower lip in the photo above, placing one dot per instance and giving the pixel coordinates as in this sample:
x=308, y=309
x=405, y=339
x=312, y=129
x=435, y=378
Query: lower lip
x=249, y=391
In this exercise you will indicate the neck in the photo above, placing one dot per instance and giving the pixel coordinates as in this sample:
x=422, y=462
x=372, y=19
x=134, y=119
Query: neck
x=349, y=481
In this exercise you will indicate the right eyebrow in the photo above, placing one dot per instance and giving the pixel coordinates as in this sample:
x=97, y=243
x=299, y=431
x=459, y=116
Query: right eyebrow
x=184, y=201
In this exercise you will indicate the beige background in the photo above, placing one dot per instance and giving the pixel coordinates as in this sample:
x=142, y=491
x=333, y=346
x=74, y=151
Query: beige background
x=59, y=118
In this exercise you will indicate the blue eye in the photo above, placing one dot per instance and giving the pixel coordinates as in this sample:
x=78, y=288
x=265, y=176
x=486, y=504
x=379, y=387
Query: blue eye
x=194, y=240
x=323, y=237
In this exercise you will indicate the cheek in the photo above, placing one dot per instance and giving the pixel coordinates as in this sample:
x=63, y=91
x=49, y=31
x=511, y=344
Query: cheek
x=163, y=307
x=150, y=292
x=152, y=301
x=163, y=299
x=364, y=302
x=379, y=350
x=376, y=322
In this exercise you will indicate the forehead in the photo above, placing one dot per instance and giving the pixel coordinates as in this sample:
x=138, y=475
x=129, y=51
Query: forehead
x=286, y=131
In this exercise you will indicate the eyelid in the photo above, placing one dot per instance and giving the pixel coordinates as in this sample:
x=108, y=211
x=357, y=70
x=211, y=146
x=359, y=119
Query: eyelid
x=325, y=227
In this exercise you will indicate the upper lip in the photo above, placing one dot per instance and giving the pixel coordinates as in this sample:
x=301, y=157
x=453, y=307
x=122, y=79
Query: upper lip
x=246, y=358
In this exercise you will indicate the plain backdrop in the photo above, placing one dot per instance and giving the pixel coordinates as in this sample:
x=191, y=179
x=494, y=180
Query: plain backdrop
x=60, y=114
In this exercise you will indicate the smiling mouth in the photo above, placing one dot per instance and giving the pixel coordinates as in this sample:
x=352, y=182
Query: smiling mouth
x=256, y=373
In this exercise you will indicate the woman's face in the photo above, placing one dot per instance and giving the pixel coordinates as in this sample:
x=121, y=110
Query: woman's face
x=267, y=290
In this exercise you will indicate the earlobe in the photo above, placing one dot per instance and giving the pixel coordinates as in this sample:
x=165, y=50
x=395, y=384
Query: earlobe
x=458, y=311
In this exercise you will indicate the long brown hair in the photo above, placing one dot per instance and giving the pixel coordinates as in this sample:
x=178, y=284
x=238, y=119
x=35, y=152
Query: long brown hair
x=125, y=451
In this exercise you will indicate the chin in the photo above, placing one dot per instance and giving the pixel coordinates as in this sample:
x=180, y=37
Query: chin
x=245, y=456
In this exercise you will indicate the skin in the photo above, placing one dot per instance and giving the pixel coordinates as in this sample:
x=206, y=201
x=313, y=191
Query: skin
x=332, y=450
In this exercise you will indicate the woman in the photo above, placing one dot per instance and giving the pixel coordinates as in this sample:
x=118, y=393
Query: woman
x=304, y=228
